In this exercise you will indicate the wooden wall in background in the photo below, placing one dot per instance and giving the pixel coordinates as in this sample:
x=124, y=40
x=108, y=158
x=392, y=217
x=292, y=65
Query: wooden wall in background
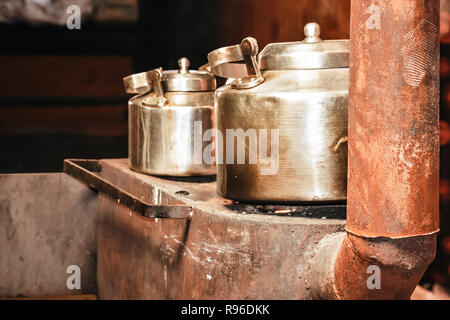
x=68, y=76
x=282, y=20
x=64, y=94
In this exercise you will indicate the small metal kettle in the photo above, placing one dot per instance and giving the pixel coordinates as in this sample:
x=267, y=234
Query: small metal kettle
x=282, y=120
x=167, y=120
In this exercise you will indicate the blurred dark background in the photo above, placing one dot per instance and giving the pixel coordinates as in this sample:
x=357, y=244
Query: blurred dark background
x=61, y=93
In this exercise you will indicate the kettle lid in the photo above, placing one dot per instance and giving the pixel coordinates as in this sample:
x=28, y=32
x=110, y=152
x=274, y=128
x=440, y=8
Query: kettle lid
x=186, y=80
x=311, y=53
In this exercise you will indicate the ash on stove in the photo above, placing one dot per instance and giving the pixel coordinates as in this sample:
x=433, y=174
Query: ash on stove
x=337, y=211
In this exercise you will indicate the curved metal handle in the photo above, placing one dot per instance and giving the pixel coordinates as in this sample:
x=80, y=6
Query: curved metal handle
x=205, y=68
x=338, y=145
x=223, y=64
x=144, y=82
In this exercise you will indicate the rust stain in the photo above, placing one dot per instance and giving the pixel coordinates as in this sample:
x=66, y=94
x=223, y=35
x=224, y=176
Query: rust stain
x=396, y=6
x=393, y=168
x=393, y=126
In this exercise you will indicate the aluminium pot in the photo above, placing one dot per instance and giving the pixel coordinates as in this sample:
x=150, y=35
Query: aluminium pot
x=282, y=120
x=171, y=111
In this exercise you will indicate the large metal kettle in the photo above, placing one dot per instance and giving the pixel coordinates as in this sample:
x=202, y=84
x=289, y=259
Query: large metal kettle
x=167, y=120
x=282, y=121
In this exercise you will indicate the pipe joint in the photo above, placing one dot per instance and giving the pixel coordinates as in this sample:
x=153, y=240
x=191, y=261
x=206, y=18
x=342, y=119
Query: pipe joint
x=352, y=267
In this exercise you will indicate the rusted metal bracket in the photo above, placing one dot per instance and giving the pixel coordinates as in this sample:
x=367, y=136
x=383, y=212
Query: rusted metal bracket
x=87, y=172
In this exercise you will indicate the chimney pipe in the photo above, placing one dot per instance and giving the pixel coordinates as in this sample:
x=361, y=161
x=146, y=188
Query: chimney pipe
x=393, y=169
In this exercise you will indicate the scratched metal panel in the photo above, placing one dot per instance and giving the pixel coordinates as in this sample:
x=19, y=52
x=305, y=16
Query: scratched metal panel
x=220, y=254
x=47, y=222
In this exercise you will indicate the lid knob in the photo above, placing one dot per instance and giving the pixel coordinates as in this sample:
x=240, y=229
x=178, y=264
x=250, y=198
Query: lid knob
x=184, y=64
x=312, y=32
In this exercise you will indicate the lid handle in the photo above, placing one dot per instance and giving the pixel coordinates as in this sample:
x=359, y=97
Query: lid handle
x=312, y=32
x=184, y=64
x=223, y=63
x=144, y=82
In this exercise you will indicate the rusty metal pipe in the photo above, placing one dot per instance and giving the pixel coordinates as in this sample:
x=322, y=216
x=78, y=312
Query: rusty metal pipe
x=393, y=169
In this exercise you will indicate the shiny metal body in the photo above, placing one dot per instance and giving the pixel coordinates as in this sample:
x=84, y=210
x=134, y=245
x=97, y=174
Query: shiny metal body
x=306, y=101
x=161, y=121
